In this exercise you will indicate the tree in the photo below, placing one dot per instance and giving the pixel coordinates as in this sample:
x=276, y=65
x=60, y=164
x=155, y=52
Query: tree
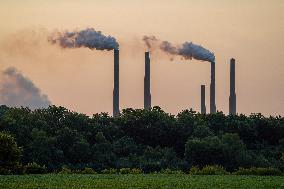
x=150, y=139
x=10, y=153
x=125, y=146
x=205, y=151
x=227, y=150
x=103, y=153
x=155, y=159
x=42, y=149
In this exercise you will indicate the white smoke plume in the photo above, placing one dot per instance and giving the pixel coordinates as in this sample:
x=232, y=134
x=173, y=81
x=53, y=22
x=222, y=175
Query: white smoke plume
x=89, y=38
x=190, y=50
x=187, y=50
x=16, y=90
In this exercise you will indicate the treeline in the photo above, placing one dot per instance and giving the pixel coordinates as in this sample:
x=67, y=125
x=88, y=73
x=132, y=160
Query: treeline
x=148, y=140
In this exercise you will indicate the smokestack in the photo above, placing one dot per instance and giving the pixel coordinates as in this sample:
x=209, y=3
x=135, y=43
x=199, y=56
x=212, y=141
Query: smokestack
x=147, y=93
x=232, y=98
x=116, y=84
x=203, y=106
x=212, y=89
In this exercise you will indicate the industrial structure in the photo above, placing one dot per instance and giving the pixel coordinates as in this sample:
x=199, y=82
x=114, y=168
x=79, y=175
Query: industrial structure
x=232, y=98
x=147, y=89
x=116, y=84
x=212, y=89
x=203, y=106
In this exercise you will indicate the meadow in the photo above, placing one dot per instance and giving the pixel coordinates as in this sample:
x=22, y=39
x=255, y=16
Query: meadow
x=151, y=181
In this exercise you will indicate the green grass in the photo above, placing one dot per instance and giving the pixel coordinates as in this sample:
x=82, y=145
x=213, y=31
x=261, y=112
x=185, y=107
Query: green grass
x=140, y=181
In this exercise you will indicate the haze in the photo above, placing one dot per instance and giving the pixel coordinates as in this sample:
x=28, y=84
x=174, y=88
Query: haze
x=82, y=79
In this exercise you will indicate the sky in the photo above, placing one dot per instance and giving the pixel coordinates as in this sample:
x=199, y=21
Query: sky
x=82, y=79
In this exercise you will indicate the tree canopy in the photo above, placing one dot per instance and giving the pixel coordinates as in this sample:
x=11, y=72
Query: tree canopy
x=146, y=139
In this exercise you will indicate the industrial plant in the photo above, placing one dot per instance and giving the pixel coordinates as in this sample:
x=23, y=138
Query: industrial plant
x=96, y=40
x=147, y=87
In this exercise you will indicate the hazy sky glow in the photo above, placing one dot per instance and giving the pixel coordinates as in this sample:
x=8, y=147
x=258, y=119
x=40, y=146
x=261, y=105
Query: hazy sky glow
x=82, y=80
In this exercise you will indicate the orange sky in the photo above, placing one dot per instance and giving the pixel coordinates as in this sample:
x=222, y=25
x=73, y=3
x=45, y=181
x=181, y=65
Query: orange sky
x=82, y=80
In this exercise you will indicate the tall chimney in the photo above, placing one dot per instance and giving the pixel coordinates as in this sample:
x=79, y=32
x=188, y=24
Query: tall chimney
x=147, y=93
x=232, y=98
x=212, y=89
x=203, y=106
x=116, y=84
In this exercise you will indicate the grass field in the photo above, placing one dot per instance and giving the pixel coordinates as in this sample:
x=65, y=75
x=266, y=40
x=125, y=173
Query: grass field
x=140, y=181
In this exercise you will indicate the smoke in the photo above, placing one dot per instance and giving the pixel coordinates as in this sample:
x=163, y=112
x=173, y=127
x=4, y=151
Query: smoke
x=149, y=40
x=187, y=50
x=89, y=38
x=168, y=48
x=25, y=43
x=17, y=90
x=190, y=50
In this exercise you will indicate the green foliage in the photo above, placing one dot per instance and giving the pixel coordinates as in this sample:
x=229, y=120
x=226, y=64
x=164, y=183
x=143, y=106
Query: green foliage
x=201, y=131
x=103, y=152
x=34, y=168
x=124, y=171
x=155, y=159
x=109, y=171
x=208, y=170
x=125, y=146
x=65, y=170
x=262, y=171
x=213, y=170
x=5, y=171
x=149, y=181
x=42, y=148
x=227, y=150
x=130, y=171
x=87, y=170
x=150, y=140
x=10, y=154
x=136, y=171
x=169, y=171
x=194, y=170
